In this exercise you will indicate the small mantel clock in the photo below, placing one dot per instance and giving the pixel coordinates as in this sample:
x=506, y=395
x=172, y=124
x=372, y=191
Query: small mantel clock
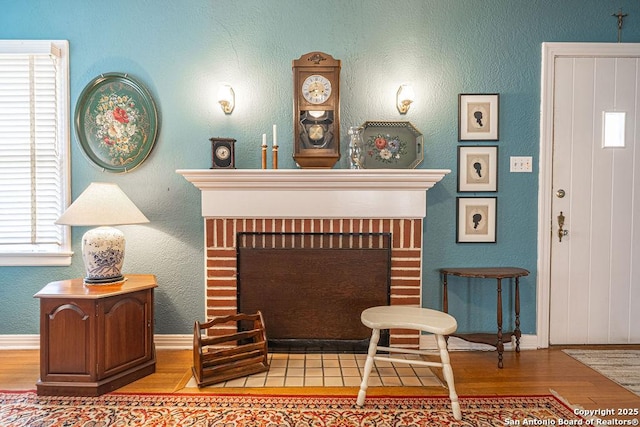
x=223, y=153
x=316, y=110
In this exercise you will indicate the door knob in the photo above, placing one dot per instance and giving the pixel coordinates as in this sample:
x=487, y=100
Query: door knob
x=560, y=193
x=561, y=231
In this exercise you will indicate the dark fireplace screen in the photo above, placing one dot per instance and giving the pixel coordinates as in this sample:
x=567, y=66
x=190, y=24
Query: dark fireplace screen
x=312, y=287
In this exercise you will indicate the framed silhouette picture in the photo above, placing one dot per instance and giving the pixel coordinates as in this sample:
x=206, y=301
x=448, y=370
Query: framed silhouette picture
x=478, y=117
x=476, y=219
x=477, y=168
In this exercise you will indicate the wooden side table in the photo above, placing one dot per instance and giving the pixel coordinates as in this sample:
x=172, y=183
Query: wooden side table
x=497, y=273
x=95, y=339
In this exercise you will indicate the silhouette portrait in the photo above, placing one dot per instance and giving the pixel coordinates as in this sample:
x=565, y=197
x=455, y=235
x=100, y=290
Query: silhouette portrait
x=478, y=167
x=478, y=117
x=476, y=220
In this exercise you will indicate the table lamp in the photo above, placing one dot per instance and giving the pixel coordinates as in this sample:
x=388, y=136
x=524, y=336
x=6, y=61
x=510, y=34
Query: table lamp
x=102, y=204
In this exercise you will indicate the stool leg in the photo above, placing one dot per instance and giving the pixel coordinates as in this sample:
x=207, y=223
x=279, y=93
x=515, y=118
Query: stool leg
x=368, y=365
x=447, y=371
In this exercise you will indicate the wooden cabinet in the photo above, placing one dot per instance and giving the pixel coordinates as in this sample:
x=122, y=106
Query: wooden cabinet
x=95, y=339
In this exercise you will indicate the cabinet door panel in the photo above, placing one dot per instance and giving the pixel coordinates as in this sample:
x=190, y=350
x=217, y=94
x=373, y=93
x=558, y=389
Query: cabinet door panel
x=68, y=330
x=124, y=329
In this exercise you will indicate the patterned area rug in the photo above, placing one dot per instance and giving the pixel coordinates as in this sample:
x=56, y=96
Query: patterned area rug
x=620, y=366
x=116, y=409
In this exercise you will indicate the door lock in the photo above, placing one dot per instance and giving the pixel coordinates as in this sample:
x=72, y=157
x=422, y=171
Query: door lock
x=561, y=231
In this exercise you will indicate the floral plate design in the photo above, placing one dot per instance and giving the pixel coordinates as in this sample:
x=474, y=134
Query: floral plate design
x=116, y=122
x=392, y=145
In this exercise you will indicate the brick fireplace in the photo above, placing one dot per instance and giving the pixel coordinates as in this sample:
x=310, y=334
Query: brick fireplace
x=314, y=201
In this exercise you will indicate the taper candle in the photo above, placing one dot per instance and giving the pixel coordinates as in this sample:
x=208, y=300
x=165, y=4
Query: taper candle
x=274, y=159
x=275, y=139
x=264, y=151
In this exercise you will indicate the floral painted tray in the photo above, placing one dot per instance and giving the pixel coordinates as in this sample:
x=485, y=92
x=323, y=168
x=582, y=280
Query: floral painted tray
x=392, y=145
x=116, y=122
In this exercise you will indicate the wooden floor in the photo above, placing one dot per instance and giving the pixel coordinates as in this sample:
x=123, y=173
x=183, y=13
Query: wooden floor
x=531, y=372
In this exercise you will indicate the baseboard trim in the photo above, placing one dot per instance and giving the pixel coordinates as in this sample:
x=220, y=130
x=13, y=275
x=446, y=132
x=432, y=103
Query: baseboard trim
x=20, y=342
x=32, y=342
x=527, y=342
x=173, y=341
x=185, y=341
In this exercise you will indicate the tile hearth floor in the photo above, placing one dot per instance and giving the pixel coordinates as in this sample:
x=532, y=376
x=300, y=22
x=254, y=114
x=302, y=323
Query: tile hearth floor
x=332, y=370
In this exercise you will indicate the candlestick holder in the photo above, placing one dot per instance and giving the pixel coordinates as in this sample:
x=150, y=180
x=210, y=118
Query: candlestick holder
x=275, y=157
x=264, y=156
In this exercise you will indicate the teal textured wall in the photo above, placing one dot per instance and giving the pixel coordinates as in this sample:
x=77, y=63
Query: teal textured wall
x=182, y=50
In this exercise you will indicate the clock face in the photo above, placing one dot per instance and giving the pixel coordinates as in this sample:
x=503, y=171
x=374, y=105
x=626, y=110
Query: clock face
x=223, y=152
x=316, y=89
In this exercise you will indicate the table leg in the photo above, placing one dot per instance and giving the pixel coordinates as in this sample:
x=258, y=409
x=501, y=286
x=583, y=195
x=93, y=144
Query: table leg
x=517, y=332
x=500, y=345
x=445, y=296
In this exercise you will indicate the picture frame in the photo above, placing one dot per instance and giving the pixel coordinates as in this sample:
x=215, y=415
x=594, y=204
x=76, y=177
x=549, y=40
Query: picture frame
x=476, y=219
x=478, y=117
x=117, y=122
x=478, y=168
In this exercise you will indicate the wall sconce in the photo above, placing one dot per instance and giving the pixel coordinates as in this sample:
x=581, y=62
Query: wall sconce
x=226, y=98
x=404, y=98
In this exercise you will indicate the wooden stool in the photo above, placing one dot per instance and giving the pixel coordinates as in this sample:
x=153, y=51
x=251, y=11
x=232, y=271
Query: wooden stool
x=422, y=319
x=224, y=357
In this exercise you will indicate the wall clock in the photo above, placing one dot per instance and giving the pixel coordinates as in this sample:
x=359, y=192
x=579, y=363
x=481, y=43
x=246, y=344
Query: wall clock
x=316, y=110
x=223, y=153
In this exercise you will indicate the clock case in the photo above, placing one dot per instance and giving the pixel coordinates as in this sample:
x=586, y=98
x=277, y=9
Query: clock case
x=321, y=152
x=223, y=163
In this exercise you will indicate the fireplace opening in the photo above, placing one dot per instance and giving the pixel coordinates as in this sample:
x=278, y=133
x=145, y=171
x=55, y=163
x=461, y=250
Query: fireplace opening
x=312, y=287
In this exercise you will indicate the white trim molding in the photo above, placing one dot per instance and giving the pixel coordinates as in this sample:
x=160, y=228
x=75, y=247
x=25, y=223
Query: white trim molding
x=551, y=51
x=20, y=342
x=173, y=341
x=185, y=342
x=527, y=342
x=314, y=193
x=32, y=342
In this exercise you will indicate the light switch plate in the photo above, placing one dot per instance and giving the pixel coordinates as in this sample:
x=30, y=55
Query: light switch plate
x=521, y=164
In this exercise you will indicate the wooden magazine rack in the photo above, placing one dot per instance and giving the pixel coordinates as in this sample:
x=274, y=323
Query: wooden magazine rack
x=224, y=357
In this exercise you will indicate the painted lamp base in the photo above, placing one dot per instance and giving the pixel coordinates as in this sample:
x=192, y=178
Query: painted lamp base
x=103, y=255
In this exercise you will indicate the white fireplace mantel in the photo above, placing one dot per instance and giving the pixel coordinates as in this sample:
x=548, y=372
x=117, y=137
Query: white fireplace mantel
x=314, y=193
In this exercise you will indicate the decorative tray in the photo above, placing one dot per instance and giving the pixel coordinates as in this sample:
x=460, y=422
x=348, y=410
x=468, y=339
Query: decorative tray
x=392, y=145
x=116, y=122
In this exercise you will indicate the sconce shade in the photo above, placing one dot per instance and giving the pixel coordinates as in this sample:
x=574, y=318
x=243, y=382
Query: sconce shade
x=226, y=98
x=404, y=98
x=102, y=204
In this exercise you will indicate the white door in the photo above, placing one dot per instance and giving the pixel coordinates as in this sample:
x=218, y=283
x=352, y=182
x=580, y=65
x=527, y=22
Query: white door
x=594, y=262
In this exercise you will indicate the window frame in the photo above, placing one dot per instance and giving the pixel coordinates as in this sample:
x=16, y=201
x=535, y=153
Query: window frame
x=32, y=255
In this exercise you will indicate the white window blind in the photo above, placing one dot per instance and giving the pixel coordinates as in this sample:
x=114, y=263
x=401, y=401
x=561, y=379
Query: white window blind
x=33, y=151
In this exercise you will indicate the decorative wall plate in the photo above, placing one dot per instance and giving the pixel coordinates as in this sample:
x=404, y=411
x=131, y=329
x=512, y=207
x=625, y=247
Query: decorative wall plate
x=116, y=122
x=392, y=145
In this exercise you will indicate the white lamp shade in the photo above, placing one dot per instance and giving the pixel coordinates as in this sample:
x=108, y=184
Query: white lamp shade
x=404, y=98
x=406, y=93
x=102, y=203
x=226, y=98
